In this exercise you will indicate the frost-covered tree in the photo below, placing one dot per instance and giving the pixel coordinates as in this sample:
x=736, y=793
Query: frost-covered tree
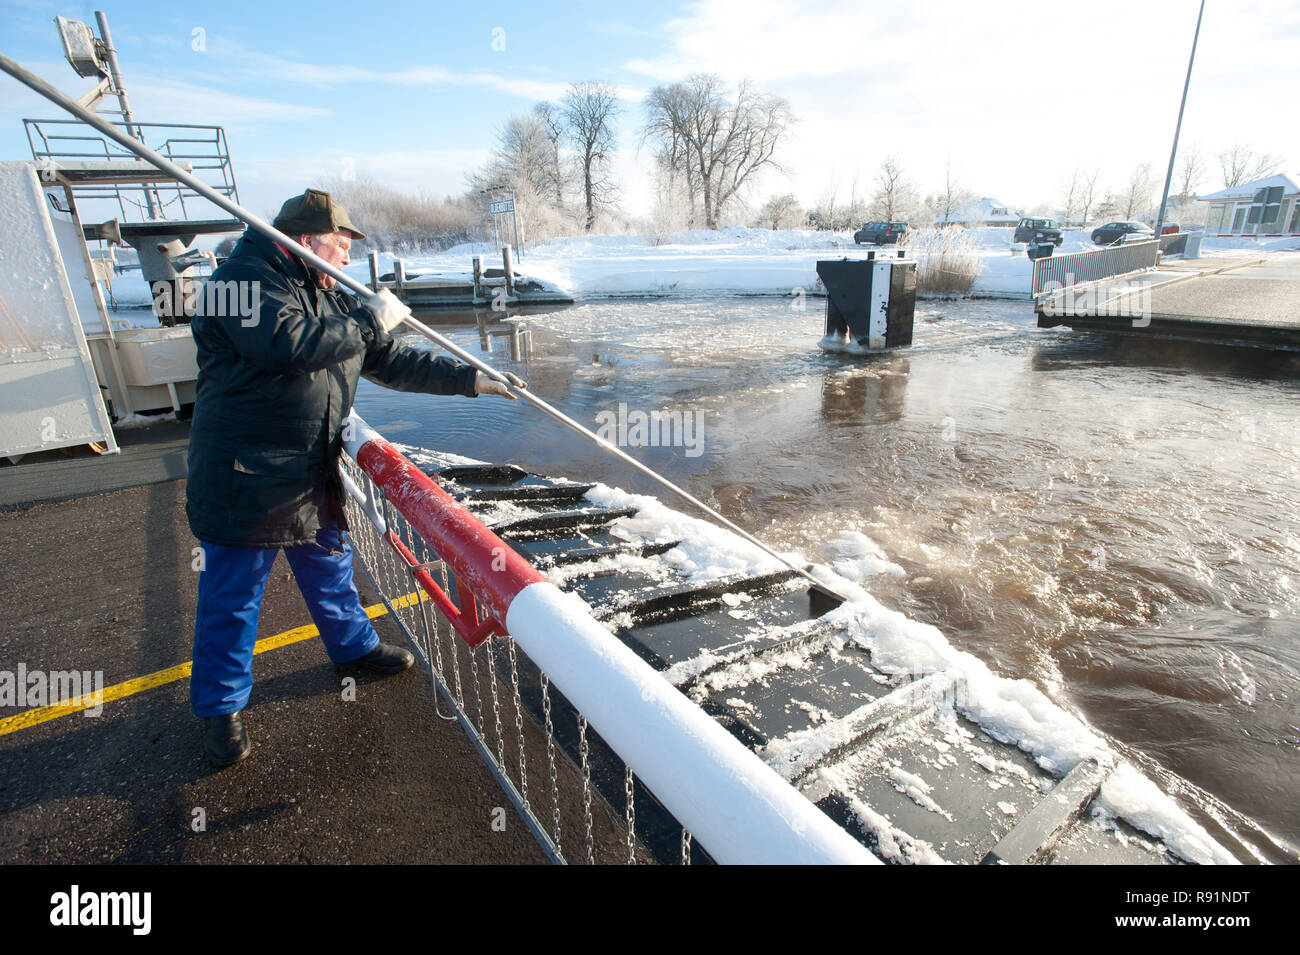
x=896, y=197
x=523, y=159
x=1136, y=196
x=780, y=212
x=553, y=126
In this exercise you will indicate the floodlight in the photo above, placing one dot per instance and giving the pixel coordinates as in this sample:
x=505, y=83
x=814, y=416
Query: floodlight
x=82, y=48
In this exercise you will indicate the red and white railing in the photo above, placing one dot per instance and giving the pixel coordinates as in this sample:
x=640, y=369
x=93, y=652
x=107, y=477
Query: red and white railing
x=416, y=540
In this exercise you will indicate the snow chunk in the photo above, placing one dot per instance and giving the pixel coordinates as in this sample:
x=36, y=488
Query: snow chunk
x=1137, y=800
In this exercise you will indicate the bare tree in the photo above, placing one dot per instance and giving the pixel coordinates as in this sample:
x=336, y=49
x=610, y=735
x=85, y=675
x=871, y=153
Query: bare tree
x=668, y=109
x=715, y=144
x=895, y=197
x=1190, y=172
x=1136, y=196
x=589, y=113
x=1241, y=164
x=553, y=125
x=780, y=211
x=1088, y=191
x=1071, y=194
x=522, y=160
x=945, y=203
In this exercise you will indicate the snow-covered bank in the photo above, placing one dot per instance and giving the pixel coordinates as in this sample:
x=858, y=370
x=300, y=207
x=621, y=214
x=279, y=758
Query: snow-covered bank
x=730, y=261
x=745, y=261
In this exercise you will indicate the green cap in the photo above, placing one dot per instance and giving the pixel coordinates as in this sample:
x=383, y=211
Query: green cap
x=314, y=212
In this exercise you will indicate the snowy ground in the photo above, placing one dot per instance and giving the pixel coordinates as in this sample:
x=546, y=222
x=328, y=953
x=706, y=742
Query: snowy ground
x=728, y=261
x=742, y=260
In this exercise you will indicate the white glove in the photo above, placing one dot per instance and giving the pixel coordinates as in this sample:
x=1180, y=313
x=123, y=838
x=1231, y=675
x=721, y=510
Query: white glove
x=483, y=385
x=389, y=310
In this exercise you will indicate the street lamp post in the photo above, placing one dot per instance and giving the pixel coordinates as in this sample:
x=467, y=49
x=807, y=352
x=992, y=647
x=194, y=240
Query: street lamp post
x=1164, y=198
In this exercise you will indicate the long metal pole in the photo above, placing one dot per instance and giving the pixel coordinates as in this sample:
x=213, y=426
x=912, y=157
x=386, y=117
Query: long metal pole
x=1169, y=176
x=119, y=87
x=361, y=289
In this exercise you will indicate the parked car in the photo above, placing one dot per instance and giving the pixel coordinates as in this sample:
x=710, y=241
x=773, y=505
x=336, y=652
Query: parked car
x=1112, y=232
x=1169, y=228
x=1029, y=230
x=880, y=233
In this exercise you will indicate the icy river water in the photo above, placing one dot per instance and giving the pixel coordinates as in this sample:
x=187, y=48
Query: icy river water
x=1117, y=520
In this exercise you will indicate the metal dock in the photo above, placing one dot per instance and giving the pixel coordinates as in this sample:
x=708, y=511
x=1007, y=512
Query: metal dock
x=1216, y=299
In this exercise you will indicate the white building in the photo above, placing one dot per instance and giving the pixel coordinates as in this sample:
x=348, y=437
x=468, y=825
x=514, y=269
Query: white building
x=984, y=212
x=1264, y=208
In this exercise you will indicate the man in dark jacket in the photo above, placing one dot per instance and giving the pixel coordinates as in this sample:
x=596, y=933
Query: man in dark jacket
x=280, y=350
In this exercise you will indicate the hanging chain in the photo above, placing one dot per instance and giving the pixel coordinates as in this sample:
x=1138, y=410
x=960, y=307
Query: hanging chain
x=686, y=846
x=478, y=692
x=437, y=634
x=550, y=760
x=519, y=719
x=496, y=703
x=586, y=787
x=455, y=669
x=631, y=815
x=430, y=619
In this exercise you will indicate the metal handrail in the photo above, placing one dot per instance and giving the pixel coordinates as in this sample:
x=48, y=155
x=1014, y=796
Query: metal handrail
x=408, y=529
x=1062, y=271
x=202, y=153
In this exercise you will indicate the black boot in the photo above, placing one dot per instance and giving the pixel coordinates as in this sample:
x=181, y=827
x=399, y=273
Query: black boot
x=224, y=739
x=386, y=659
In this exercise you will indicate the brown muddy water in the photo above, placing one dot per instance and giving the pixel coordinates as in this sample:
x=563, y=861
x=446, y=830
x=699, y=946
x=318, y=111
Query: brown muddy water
x=1115, y=519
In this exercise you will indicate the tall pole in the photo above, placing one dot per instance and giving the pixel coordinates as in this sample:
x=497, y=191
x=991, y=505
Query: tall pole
x=1169, y=176
x=119, y=88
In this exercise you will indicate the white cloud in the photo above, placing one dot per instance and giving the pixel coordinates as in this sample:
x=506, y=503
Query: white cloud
x=179, y=101
x=1014, y=93
x=327, y=75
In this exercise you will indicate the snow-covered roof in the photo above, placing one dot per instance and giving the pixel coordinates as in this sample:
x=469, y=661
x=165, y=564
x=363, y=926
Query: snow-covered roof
x=1247, y=190
x=986, y=209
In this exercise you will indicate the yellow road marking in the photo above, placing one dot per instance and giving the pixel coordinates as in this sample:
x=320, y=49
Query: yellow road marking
x=118, y=691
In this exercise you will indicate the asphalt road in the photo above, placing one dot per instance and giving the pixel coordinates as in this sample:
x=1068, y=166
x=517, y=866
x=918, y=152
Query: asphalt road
x=104, y=583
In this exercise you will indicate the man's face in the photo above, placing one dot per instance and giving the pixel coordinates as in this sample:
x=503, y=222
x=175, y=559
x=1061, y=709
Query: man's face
x=333, y=248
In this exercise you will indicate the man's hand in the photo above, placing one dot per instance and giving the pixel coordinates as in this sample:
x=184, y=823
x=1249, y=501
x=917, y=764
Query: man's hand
x=483, y=385
x=389, y=310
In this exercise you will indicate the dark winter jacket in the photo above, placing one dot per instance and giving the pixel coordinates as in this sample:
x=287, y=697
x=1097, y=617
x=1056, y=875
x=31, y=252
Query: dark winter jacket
x=275, y=383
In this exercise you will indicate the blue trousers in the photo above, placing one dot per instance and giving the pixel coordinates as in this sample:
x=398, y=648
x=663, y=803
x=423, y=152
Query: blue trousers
x=231, y=586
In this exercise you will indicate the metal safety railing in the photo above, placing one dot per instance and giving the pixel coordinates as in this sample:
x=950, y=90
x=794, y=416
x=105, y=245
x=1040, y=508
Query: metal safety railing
x=202, y=148
x=597, y=752
x=1056, y=272
x=417, y=589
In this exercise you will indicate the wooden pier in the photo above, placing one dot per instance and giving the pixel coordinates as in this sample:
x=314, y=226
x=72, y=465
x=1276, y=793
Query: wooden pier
x=488, y=287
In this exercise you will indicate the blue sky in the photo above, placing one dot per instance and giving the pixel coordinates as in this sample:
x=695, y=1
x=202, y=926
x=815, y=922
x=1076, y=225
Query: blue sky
x=1011, y=93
